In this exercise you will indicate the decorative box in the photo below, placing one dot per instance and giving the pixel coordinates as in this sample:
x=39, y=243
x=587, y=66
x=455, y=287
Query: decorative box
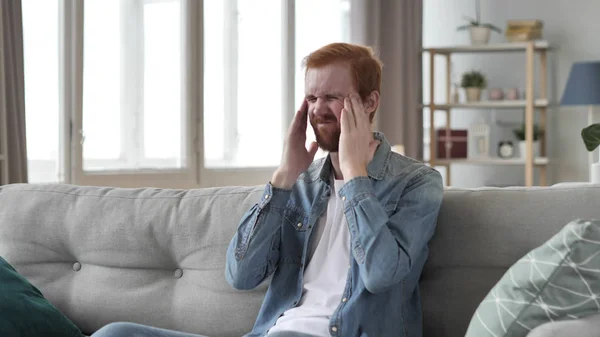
x=451, y=144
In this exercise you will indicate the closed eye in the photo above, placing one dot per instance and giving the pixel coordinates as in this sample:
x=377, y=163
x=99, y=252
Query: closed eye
x=311, y=99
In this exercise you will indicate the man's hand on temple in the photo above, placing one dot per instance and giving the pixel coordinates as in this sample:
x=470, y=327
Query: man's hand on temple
x=296, y=157
x=357, y=145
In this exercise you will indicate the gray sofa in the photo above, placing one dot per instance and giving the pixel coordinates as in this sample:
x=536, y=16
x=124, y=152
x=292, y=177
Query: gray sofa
x=157, y=256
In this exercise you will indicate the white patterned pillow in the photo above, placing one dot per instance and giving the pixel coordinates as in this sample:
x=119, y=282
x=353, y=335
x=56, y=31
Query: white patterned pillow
x=556, y=281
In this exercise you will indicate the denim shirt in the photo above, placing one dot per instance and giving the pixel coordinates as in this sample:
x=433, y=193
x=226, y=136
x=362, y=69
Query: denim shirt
x=391, y=216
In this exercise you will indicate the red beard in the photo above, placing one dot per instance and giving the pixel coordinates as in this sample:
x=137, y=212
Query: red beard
x=327, y=131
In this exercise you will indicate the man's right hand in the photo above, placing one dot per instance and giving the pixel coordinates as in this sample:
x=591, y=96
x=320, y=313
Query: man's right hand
x=296, y=157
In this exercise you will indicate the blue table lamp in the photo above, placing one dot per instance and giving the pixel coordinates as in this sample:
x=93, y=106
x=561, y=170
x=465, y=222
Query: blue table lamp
x=583, y=88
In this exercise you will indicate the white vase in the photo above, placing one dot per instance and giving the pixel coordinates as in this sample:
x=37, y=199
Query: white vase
x=473, y=94
x=479, y=35
x=523, y=149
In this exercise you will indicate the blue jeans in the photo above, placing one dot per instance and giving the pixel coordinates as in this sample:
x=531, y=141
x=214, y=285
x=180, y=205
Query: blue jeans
x=124, y=329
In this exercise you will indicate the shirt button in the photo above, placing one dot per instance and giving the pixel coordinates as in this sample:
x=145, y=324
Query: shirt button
x=334, y=328
x=266, y=196
x=299, y=224
x=343, y=198
x=344, y=300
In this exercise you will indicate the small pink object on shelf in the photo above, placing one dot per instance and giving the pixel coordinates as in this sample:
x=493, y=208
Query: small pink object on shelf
x=495, y=94
x=512, y=94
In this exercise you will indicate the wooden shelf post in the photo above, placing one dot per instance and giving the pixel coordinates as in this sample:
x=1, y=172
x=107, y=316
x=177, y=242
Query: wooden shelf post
x=543, y=95
x=529, y=117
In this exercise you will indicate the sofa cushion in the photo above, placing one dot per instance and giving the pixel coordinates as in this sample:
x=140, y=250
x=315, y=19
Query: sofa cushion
x=556, y=281
x=25, y=312
x=149, y=256
x=585, y=327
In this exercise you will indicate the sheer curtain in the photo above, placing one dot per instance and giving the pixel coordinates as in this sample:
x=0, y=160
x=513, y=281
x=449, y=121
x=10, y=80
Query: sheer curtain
x=394, y=30
x=12, y=97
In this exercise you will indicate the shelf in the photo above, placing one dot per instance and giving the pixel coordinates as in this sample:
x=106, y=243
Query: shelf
x=531, y=106
x=503, y=104
x=491, y=161
x=489, y=48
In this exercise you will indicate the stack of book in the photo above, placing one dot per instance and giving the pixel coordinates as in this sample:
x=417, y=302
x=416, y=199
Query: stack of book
x=523, y=30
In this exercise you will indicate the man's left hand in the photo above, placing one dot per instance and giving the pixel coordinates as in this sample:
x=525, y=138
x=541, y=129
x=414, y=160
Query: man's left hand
x=357, y=145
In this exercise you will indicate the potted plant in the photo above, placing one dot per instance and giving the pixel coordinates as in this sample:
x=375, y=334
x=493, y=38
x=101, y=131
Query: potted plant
x=473, y=82
x=520, y=134
x=591, y=139
x=479, y=31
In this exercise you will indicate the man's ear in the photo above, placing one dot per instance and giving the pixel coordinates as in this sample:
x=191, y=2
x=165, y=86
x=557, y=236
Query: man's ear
x=372, y=102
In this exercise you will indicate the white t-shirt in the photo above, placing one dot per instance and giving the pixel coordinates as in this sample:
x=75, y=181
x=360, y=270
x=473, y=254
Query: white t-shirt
x=325, y=275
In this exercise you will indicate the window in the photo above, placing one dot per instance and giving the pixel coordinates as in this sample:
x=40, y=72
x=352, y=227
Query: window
x=245, y=72
x=132, y=115
x=242, y=82
x=117, y=94
x=333, y=18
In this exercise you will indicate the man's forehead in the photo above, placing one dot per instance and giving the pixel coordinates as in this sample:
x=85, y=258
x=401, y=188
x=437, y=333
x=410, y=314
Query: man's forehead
x=319, y=84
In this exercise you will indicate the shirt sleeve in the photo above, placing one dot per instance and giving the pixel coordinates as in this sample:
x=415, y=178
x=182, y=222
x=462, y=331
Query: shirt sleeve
x=253, y=251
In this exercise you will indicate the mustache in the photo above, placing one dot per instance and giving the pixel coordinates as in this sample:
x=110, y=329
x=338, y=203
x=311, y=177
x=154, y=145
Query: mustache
x=324, y=119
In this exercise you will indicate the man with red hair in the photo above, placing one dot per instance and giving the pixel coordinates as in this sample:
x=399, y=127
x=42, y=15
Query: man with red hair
x=345, y=237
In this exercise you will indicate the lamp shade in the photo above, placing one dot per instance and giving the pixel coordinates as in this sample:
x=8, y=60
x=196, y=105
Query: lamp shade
x=583, y=84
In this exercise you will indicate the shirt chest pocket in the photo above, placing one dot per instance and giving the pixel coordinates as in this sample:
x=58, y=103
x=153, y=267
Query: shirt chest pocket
x=298, y=221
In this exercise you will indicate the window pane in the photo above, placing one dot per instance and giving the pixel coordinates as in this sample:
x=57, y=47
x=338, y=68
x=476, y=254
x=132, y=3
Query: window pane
x=259, y=87
x=214, y=87
x=163, y=132
x=132, y=116
x=40, y=43
x=333, y=19
x=101, y=84
x=243, y=62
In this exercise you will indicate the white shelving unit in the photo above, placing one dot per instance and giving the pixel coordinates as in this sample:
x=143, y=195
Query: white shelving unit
x=538, y=103
x=529, y=103
x=491, y=161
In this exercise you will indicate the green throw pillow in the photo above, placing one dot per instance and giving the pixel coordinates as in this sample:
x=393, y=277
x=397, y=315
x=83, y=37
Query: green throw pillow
x=24, y=311
x=557, y=281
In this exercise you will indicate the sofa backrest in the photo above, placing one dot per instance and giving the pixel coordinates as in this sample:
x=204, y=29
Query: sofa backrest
x=480, y=234
x=157, y=256
x=152, y=256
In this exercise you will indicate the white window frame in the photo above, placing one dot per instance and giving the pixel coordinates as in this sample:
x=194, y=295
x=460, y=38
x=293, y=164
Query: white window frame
x=194, y=174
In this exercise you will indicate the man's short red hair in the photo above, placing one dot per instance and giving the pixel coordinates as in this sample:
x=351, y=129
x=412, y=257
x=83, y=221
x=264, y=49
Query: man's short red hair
x=364, y=65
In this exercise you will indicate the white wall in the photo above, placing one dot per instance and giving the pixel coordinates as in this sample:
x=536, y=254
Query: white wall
x=572, y=27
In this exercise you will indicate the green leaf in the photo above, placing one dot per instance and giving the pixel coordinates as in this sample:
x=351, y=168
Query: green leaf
x=520, y=133
x=472, y=23
x=463, y=27
x=492, y=27
x=473, y=79
x=591, y=137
